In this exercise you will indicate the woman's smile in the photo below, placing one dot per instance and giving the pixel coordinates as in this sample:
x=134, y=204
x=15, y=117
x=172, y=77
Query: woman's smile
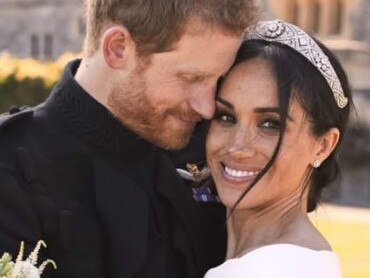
x=237, y=175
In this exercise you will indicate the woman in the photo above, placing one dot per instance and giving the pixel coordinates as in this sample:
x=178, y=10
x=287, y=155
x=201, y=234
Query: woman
x=272, y=147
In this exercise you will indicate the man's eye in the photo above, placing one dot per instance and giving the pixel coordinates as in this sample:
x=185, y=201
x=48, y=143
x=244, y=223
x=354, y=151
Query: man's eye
x=270, y=124
x=224, y=118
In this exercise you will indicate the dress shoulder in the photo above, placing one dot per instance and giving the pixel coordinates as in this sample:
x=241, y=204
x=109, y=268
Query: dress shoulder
x=280, y=260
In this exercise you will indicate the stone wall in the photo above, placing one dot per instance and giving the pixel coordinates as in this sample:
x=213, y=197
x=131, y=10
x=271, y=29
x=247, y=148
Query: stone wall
x=361, y=22
x=43, y=29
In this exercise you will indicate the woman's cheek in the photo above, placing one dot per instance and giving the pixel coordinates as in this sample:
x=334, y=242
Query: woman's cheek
x=217, y=139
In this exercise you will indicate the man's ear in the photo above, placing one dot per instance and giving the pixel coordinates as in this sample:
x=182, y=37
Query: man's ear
x=327, y=144
x=117, y=46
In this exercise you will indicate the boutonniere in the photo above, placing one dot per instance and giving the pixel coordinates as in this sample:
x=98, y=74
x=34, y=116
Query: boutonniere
x=193, y=173
x=202, y=191
x=24, y=268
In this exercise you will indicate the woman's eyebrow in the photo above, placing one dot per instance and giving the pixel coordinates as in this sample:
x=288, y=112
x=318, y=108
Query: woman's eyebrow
x=267, y=110
x=225, y=102
x=276, y=110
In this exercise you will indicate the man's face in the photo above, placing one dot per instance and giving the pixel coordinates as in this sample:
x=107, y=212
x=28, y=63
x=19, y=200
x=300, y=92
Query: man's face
x=165, y=96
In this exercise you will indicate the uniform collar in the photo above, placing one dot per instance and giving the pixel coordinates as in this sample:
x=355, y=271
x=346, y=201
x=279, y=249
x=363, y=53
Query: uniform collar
x=91, y=121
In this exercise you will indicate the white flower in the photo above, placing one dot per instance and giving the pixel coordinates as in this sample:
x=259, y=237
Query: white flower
x=26, y=268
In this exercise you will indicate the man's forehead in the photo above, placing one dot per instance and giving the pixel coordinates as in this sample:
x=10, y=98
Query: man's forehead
x=211, y=48
x=195, y=30
x=196, y=26
x=208, y=54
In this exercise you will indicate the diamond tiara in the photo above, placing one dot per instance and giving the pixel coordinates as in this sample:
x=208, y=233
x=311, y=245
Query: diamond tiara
x=294, y=37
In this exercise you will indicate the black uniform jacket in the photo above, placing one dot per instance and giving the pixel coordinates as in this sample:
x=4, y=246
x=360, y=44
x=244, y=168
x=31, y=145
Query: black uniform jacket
x=107, y=203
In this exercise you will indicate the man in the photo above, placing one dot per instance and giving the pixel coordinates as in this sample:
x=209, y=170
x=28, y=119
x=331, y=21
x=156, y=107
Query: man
x=86, y=171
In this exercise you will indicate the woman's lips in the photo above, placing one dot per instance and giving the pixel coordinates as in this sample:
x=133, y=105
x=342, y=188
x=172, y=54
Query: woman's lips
x=235, y=175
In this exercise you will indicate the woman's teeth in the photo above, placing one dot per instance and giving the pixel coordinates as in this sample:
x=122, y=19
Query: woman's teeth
x=240, y=174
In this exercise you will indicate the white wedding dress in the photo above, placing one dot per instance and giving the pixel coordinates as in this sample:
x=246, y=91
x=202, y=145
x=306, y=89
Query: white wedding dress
x=280, y=261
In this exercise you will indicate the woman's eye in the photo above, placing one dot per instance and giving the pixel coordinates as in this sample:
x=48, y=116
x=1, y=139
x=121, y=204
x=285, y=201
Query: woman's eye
x=225, y=118
x=270, y=124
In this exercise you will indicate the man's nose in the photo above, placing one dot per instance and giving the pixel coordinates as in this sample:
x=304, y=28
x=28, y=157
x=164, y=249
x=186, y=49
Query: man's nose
x=202, y=101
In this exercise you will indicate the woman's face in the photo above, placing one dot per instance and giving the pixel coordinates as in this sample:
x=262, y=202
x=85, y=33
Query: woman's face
x=243, y=136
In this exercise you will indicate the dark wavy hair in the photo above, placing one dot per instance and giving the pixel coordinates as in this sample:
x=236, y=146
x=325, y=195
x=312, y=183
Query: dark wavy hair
x=297, y=78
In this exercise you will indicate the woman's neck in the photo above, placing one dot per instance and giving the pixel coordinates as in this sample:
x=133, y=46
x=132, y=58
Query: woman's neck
x=251, y=228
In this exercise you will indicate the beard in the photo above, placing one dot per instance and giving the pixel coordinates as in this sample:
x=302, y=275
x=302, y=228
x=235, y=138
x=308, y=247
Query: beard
x=130, y=104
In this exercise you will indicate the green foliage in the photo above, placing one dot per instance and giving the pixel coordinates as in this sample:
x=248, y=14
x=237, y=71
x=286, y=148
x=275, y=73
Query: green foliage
x=28, y=91
x=28, y=81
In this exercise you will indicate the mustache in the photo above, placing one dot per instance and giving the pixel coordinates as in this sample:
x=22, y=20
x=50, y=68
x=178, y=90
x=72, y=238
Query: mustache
x=188, y=115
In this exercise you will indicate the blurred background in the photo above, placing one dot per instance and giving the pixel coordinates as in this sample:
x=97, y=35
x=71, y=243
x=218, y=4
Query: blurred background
x=38, y=37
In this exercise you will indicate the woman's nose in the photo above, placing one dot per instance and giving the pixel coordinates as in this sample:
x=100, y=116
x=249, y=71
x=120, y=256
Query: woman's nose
x=242, y=143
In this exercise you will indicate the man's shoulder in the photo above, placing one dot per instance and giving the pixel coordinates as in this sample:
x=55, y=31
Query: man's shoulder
x=26, y=122
x=13, y=131
x=23, y=127
x=15, y=116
